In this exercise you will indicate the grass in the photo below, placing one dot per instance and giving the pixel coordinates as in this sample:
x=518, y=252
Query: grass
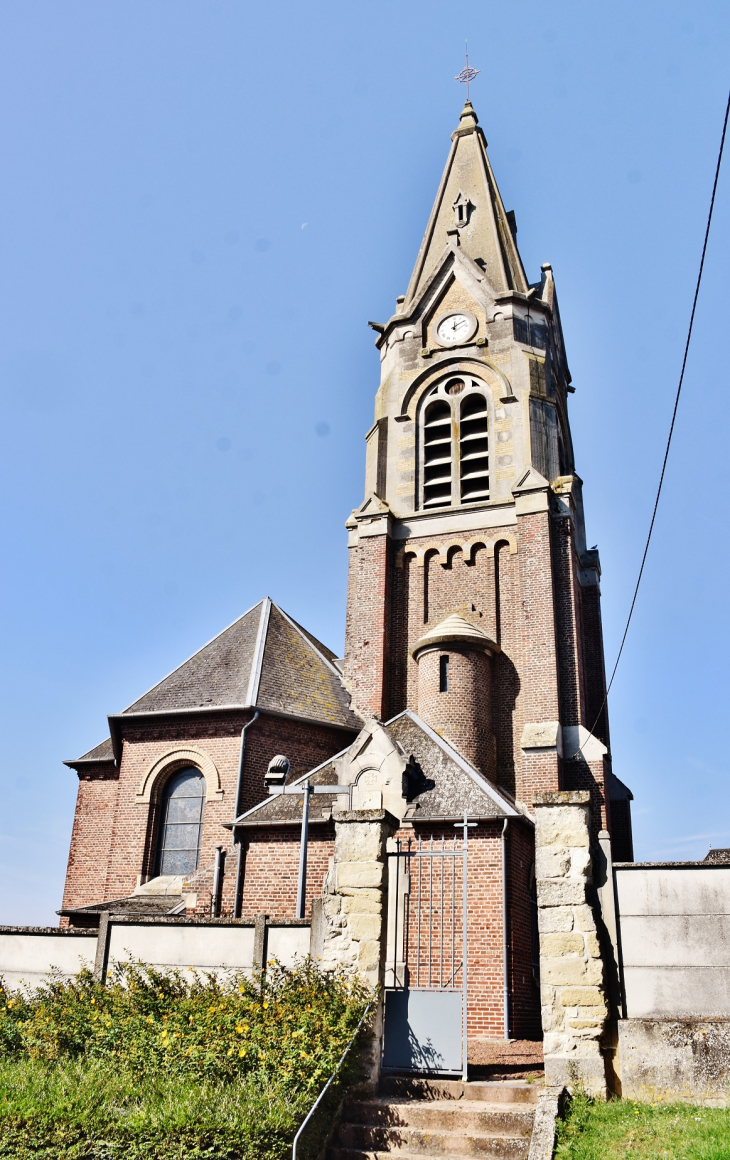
x=82, y=1110
x=621, y=1129
x=162, y=1066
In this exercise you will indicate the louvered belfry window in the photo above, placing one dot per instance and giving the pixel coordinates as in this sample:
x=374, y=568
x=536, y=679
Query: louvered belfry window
x=455, y=444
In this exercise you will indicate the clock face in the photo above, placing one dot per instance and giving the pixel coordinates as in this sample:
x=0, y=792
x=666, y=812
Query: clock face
x=456, y=327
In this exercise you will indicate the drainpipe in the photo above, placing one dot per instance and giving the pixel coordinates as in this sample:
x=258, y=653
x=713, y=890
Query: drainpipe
x=505, y=953
x=239, y=788
x=215, y=898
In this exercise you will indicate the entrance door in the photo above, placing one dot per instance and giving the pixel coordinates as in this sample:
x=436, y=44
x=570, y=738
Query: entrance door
x=426, y=963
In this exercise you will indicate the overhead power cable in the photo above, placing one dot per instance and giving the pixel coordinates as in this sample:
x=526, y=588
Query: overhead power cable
x=671, y=425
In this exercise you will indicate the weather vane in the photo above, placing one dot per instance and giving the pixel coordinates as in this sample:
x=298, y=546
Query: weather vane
x=467, y=74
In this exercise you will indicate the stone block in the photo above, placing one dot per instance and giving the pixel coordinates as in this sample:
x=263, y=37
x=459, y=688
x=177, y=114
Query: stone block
x=580, y=862
x=359, y=842
x=374, y=897
x=583, y=917
x=366, y=927
x=332, y=905
x=362, y=874
x=593, y=947
x=560, y=891
x=563, y=826
x=569, y=972
x=680, y=1059
x=554, y=1043
x=551, y=862
x=363, y=902
x=585, y=1024
x=555, y=918
x=582, y=997
x=571, y=1069
x=368, y=957
x=553, y=945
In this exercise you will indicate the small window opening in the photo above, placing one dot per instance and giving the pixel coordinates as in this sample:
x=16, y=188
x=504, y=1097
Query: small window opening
x=443, y=674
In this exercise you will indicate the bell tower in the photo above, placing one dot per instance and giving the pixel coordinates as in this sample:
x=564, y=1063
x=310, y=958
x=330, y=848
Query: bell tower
x=468, y=554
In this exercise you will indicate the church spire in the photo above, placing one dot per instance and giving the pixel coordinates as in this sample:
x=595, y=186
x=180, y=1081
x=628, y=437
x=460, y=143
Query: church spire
x=469, y=213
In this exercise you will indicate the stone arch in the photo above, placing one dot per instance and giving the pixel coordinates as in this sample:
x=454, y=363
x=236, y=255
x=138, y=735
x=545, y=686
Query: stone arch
x=481, y=367
x=442, y=551
x=176, y=759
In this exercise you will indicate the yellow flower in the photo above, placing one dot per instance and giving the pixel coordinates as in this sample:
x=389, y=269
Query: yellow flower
x=265, y=1004
x=241, y=1053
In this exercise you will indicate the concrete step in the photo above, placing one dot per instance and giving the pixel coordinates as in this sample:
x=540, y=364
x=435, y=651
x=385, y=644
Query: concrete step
x=497, y=1091
x=449, y=1115
x=356, y=1154
x=397, y=1141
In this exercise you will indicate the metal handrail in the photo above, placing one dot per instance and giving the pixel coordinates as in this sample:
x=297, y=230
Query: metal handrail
x=318, y=1100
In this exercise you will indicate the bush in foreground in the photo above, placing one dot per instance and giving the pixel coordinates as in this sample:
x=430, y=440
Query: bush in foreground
x=168, y=1065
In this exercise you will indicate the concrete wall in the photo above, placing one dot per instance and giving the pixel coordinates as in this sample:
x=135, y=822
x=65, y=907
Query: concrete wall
x=29, y=954
x=674, y=940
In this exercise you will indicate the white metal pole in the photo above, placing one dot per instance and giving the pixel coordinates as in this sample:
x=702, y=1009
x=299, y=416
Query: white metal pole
x=302, y=883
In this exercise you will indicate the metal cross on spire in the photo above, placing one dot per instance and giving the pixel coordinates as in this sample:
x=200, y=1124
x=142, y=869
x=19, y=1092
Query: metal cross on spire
x=467, y=75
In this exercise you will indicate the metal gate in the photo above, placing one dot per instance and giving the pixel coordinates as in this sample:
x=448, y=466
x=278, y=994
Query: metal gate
x=426, y=956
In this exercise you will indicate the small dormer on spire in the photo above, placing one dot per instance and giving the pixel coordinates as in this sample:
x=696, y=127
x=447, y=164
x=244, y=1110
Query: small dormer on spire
x=462, y=210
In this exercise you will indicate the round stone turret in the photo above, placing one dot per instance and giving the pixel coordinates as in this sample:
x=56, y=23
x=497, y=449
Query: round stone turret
x=455, y=688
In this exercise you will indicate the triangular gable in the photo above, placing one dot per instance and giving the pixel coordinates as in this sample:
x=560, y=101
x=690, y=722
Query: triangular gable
x=504, y=807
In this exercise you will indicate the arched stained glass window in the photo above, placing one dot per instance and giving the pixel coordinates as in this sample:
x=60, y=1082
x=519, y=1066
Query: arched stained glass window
x=181, y=822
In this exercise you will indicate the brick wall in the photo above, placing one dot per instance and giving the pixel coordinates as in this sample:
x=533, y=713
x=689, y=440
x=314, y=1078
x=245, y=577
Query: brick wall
x=463, y=713
x=367, y=622
x=91, y=835
x=108, y=856
x=271, y=870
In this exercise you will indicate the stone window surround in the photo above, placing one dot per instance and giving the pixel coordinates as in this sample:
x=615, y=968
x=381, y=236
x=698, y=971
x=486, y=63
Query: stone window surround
x=176, y=759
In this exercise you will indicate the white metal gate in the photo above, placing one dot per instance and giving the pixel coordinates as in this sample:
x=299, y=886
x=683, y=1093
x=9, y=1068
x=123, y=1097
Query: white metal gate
x=426, y=958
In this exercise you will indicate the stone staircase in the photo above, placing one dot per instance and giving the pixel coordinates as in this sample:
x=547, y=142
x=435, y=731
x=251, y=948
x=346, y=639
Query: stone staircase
x=412, y=1118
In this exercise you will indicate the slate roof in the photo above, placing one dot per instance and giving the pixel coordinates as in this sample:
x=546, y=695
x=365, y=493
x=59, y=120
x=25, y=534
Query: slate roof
x=101, y=752
x=450, y=784
x=264, y=660
x=136, y=906
x=442, y=784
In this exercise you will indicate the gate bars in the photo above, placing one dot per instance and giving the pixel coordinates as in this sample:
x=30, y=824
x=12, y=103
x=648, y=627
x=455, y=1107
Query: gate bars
x=441, y=923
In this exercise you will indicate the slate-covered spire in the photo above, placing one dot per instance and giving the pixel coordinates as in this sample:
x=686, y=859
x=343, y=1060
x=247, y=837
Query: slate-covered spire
x=469, y=212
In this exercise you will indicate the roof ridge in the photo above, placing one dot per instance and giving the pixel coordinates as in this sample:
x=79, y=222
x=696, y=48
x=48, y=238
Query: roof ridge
x=254, y=680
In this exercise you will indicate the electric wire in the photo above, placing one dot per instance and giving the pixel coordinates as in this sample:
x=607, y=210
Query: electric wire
x=671, y=427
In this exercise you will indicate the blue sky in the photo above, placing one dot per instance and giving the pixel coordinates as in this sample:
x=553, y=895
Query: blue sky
x=202, y=204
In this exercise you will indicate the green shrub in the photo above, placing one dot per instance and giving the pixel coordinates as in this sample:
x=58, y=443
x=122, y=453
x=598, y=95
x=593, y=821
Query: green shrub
x=170, y=1065
x=292, y=1025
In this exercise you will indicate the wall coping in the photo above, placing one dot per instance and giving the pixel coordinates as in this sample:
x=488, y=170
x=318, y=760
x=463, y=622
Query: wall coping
x=671, y=865
x=65, y=932
x=569, y=797
x=366, y=816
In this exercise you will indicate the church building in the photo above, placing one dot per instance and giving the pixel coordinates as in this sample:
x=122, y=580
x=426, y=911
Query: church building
x=473, y=672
